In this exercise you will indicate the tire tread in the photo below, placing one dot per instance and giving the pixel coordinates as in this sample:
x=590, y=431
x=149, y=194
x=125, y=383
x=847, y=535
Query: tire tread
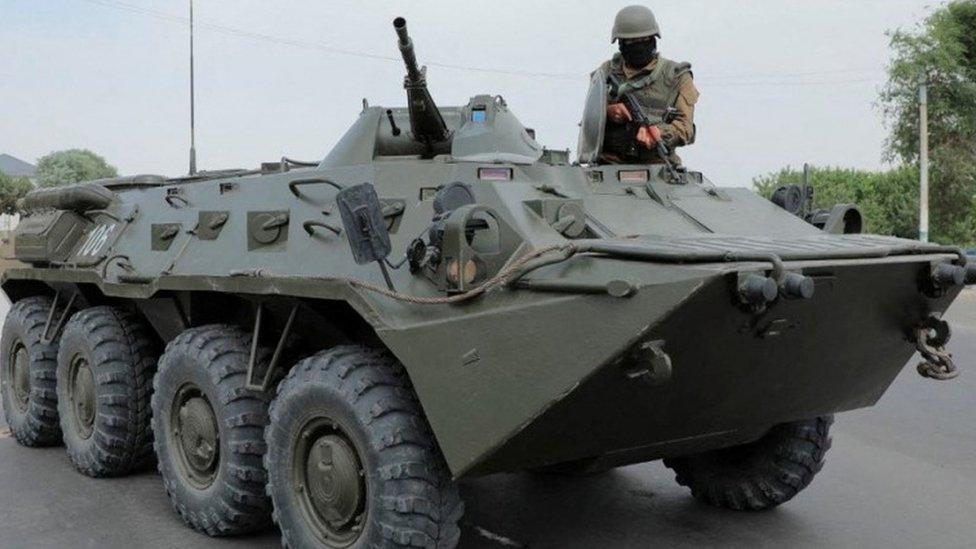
x=239, y=504
x=780, y=465
x=420, y=502
x=124, y=355
x=40, y=427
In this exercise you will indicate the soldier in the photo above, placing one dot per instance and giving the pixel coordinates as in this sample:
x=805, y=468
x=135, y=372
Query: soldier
x=663, y=87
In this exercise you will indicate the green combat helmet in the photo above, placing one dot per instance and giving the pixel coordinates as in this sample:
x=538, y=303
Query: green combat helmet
x=440, y=297
x=634, y=22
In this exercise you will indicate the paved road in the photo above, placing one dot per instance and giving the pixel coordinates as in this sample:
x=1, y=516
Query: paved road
x=902, y=474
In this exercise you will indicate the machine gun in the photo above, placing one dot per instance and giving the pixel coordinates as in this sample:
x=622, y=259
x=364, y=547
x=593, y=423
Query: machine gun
x=798, y=200
x=426, y=122
x=641, y=119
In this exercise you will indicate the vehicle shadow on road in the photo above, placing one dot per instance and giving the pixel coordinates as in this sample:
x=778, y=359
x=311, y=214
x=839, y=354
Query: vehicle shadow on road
x=627, y=507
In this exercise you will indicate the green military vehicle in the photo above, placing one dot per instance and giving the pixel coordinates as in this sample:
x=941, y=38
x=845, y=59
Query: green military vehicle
x=333, y=346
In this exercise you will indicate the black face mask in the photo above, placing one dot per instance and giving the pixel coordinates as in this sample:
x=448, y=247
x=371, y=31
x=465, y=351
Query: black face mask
x=638, y=53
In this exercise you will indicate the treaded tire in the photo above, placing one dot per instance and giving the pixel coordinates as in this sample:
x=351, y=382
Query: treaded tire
x=410, y=500
x=214, y=359
x=36, y=423
x=119, y=353
x=759, y=475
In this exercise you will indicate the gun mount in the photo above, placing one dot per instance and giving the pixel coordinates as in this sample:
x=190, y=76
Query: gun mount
x=799, y=201
x=426, y=123
x=483, y=130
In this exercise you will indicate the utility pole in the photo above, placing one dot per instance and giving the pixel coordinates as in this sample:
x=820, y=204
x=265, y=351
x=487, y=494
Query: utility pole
x=923, y=155
x=193, y=138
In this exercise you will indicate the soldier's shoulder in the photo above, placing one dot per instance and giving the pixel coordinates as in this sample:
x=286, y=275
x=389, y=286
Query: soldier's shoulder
x=615, y=63
x=606, y=67
x=675, y=70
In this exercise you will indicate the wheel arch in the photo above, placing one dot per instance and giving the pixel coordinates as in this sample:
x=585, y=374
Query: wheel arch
x=170, y=311
x=319, y=323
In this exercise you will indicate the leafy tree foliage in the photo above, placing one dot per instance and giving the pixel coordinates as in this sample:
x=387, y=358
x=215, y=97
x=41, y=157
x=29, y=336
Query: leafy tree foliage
x=72, y=166
x=11, y=190
x=942, y=50
x=888, y=200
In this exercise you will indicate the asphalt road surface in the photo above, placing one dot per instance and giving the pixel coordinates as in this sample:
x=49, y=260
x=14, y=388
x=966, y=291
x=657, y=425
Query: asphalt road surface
x=901, y=474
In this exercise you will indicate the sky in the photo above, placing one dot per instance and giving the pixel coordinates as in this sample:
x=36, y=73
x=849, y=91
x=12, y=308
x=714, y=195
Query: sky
x=782, y=82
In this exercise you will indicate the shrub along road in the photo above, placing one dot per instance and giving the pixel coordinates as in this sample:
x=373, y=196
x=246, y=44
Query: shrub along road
x=901, y=474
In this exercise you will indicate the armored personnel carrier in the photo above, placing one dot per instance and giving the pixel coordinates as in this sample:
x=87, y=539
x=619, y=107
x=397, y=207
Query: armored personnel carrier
x=335, y=345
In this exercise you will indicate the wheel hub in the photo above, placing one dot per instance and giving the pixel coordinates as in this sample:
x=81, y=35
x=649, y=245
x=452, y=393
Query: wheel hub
x=197, y=437
x=332, y=471
x=81, y=393
x=20, y=376
x=330, y=482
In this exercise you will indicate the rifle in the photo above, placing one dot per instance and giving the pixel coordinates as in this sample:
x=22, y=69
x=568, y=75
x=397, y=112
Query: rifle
x=641, y=118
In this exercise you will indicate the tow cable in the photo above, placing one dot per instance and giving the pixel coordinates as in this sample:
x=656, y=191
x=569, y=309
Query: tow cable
x=931, y=337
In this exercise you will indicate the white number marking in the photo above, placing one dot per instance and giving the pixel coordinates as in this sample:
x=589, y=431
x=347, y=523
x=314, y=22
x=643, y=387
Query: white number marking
x=96, y=239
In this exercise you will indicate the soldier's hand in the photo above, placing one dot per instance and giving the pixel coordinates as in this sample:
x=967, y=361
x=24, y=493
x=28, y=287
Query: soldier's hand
x=649, y=136
x=618, y=113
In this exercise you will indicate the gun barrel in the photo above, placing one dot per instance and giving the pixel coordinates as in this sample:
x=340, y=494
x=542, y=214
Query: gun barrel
x=406, y=49
x=426, y=123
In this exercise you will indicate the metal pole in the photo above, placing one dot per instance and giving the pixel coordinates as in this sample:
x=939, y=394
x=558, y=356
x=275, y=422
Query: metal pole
x=923, y=152
x=193, y=139
x=807, y=192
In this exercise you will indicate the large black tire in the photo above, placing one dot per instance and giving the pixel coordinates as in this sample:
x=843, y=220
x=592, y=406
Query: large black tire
x=106, y=361
x=357, y=403
x=28, y=369
x=209, y=431
x=759, y=475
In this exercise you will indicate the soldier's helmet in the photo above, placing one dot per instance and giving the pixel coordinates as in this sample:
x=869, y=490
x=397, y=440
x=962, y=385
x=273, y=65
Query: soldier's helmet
x=634, y=22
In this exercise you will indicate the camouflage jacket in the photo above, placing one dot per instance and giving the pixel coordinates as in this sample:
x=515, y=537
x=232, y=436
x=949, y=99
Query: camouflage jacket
x=661, y=85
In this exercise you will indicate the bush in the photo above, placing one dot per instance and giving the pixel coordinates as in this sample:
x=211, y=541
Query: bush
x=72, y=166
x=11, y=190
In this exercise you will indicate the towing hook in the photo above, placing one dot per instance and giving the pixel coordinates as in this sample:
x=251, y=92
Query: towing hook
x=931, y=336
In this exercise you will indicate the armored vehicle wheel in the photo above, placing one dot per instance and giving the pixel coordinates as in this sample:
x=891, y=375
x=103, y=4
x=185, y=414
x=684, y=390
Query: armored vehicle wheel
x=27, y=374
x=759, y=475
x=106, y=361
x=209, y=431
x=351, y=460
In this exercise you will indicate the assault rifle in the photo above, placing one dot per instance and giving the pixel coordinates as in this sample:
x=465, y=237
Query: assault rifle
x=641, y=119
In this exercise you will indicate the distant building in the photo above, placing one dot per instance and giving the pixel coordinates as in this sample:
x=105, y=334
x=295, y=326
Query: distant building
x=15, y=167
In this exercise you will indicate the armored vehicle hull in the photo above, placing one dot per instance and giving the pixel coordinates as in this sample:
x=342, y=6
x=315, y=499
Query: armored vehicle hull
x=543, y=315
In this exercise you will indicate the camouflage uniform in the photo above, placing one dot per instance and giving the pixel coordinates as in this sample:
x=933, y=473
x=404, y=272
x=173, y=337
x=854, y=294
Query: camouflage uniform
x=659, y=86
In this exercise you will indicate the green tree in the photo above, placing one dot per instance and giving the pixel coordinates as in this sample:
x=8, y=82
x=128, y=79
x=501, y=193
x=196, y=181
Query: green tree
x=942, y=50
x=11, y=190
x=888, y=200
x=72, y=166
